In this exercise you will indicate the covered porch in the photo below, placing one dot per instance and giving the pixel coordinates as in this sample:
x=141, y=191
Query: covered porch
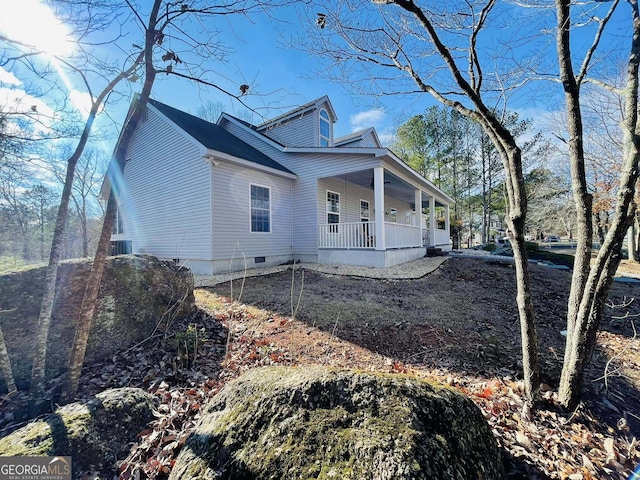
x=369, y=217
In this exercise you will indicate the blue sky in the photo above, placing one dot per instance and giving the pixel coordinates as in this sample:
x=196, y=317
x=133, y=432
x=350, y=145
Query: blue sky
x=282, y=77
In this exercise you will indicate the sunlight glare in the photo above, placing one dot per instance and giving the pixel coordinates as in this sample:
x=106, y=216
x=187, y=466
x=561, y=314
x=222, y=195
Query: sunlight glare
x=34, y=24
x=115, y=178
x=82, y=102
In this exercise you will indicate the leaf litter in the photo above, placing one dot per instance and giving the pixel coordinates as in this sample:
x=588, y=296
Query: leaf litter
x=596, y=441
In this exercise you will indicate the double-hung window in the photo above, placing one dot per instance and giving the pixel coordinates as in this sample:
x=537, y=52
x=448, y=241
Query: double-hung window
x=365, y=214
x=325, y=129
x=333, y=211
x=260, y=209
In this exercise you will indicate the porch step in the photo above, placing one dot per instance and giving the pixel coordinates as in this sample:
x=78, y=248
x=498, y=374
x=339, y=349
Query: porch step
x=434, y=252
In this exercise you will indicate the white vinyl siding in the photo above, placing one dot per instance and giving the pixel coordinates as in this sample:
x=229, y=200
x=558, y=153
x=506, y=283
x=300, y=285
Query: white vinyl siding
x=167, y=198
x=232, y=235
x=295, y=132
x=369, y=140
x=351, y=197
x=308, y=191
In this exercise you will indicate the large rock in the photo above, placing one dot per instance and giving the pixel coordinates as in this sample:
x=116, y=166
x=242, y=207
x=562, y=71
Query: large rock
x=314, y=423
x=137, y=293
x=94, y=434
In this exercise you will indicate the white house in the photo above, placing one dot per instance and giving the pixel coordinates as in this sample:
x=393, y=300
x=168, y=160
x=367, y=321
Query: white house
x=230, y=194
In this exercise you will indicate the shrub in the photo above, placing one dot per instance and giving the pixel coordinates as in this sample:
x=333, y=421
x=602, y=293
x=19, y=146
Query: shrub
x=531, y=246
x=489, y=247
x=555, y=258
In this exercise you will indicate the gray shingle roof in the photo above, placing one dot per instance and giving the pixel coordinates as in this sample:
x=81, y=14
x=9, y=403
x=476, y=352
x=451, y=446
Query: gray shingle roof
x=215, y=137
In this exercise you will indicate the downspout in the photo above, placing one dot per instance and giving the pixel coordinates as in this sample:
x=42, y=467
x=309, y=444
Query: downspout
x=210, y=159
x=293, y=220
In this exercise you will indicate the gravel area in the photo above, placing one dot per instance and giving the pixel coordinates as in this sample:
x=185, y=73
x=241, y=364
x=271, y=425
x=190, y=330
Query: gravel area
x=411, y=270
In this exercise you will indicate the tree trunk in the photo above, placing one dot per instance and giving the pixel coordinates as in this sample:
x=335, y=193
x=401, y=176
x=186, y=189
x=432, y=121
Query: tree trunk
x=583, y=339
x=516, y=220
x=634, y=241
x=590, y=287
x=83, y=230
x=36, y=388
x=90, y=299
x=636, y=252
x=5, y=365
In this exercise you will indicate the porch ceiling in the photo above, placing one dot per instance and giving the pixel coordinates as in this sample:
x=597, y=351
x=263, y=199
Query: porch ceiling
x=393, y=186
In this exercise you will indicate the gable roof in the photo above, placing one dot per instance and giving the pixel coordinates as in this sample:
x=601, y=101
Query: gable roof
x=376, y=152
x=355, y=136
x=299, y=111
x=214, y=137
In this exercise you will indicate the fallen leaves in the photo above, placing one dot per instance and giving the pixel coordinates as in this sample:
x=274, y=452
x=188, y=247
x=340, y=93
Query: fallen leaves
x=551, y=443
x=233, y=338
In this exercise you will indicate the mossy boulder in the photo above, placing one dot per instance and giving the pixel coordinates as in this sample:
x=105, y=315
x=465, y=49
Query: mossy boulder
x=94, y=434
x=316, y=423
x=138, y=292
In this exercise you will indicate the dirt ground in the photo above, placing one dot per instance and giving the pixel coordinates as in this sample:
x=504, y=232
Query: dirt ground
x=460, y=324
x=461, y=317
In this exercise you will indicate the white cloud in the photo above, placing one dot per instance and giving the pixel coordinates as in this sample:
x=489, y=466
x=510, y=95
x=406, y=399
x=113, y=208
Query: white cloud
x=81, y=102
x=24, y=106
x=366, y=119
x=8, y=78
x=15, y=100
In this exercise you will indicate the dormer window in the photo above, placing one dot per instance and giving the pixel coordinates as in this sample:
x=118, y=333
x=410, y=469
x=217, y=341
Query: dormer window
x=325, y=129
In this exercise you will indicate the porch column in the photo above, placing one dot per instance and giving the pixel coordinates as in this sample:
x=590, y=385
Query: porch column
x=447, y=221
x=378, y=195
x=432, y=221
x=417, y=219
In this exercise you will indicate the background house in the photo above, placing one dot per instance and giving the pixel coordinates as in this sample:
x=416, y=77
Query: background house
x=221, y=196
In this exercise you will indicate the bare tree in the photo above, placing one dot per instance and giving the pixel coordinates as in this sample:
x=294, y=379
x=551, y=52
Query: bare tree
x=550, y=201
x=590, y=283
x=165, y=20
x=174, y=43
x=88, y=177
x=210, y=111
x=388, y=38
x=436, y=46
x=37, y=392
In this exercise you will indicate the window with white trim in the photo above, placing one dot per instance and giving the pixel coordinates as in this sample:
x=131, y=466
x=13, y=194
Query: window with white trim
x=333, y=211
x=325, y=129
x=365, y=213
x=365, y=218
x=260, y=209
x=118, y=222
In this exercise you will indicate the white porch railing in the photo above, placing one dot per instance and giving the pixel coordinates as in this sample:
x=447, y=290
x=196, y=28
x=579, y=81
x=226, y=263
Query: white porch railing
x=398, y=235
x=362, y=235
x=442, y=237
x=347, y=235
